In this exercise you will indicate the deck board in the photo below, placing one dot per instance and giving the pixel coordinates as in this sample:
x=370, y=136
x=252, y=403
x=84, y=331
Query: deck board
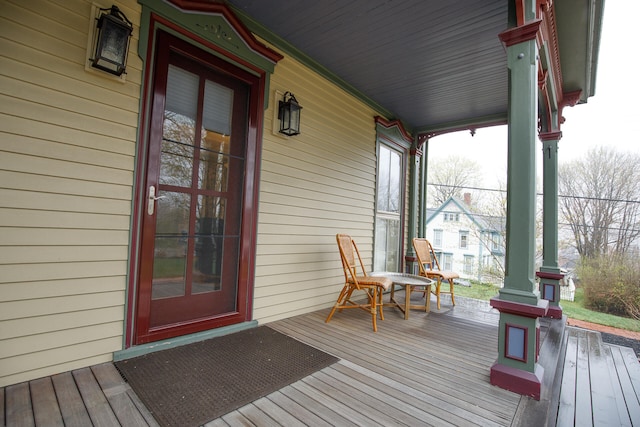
x=117, y=395
x=567, y=405
x=74, y=412
x=94, y=399
x=45, y=404
x=19, y=410
x=627, y=397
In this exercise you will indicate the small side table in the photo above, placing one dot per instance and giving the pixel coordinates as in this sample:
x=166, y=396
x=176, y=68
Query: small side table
x=409, y=281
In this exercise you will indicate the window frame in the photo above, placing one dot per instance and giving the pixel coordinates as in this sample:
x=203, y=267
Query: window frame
x=392, y=136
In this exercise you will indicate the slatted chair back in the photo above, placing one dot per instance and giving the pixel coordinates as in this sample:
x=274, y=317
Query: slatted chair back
x=430, y=267
x=427, y=258
x=351, y=259
x=356, y=279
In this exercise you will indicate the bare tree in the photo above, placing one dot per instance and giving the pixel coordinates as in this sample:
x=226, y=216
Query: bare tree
x=600, y=199
x=450, y=176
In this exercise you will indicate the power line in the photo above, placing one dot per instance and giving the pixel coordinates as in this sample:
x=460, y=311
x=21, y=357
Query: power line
x=537, y=194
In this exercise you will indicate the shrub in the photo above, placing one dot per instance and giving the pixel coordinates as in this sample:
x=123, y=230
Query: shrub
x=611, y=284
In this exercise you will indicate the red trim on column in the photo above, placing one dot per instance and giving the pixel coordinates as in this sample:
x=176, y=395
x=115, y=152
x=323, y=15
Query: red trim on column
x=550, y=136
x=517, y=380
x=548, y=275
x=520, y=34
x=520, y=309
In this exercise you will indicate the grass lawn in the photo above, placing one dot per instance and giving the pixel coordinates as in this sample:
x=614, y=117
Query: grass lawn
x=572, y=309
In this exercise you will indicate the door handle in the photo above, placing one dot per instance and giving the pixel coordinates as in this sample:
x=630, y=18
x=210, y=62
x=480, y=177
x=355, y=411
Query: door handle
x=151, y=202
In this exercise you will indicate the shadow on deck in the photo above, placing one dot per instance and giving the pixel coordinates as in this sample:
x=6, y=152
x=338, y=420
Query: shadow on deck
x=432, y=369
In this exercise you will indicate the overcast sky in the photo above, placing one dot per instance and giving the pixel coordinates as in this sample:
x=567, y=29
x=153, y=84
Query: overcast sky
x=610, y=117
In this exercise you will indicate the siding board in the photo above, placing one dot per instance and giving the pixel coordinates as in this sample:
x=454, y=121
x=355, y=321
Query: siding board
x=44, y=306
x=60, y=99
x=48, y=254
x=57, y=288
x=57, y=271
x=59, y=321
x=46, y=131
x=53, y=219
x=62, y=237
x=62, y=202
x=31, y=344
x=47, y=114
x=57, y=185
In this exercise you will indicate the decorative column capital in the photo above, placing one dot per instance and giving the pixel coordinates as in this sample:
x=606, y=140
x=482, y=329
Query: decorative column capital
x=550, y=136
x=520, y=34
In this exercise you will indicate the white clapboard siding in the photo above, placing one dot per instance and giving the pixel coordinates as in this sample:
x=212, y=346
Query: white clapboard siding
x=313, y=185
x=67, y=156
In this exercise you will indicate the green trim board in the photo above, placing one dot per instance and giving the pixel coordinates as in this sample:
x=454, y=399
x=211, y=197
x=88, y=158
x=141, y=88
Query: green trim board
x=152, y=347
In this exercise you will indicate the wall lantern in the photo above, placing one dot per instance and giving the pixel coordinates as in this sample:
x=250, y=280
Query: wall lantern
x=112, y=41
x=289, y=115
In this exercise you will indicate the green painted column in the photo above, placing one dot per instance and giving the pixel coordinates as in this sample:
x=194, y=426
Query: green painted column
x=516, y=368
x=549, y=274
x=414, y=159
x=422, y=222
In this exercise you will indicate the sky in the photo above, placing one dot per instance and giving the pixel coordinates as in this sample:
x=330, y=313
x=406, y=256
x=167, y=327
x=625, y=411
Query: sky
x=610, y=117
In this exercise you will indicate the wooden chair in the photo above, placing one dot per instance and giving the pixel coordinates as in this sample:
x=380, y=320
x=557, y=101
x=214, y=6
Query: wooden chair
x=430, y=267
x=355, y=280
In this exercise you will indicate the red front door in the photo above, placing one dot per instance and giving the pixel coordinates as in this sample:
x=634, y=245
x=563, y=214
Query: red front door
x=191, y=275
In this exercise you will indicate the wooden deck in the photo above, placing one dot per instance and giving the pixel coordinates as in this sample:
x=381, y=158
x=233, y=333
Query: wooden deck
x=432, y=369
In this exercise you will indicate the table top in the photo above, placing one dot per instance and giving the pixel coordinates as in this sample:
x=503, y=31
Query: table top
x=403, y=278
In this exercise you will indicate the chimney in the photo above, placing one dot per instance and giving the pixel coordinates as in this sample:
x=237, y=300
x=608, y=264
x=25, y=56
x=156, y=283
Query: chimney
x=467, y=199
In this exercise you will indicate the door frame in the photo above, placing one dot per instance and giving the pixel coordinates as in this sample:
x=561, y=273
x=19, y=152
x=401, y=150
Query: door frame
x=256, y=78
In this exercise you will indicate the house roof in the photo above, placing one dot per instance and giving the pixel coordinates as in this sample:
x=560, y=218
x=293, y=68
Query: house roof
x=483, y=222
x=433, y=65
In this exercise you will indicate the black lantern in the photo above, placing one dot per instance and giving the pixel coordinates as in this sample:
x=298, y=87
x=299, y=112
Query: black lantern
x=112, y=41
x=289, y=115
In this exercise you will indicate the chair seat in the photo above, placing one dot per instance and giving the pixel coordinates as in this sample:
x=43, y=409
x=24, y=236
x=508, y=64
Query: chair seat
x=383, y=282
x=444, y=275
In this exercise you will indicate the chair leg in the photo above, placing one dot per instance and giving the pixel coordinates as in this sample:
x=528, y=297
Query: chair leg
x=438, y=283
x=344, y=294
x=453, y=301
x=373, y=299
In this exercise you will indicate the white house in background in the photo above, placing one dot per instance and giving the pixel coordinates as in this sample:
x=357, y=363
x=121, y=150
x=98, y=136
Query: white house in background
x=465, y=242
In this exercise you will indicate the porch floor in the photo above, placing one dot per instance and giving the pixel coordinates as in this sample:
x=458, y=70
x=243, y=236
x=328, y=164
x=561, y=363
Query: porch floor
x=432, y=369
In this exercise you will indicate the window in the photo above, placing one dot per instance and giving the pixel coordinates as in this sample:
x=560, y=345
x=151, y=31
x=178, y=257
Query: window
x=388, y=210
x=446, y=261
x=437, y=238
x=495, y=241
x=464, y=239
x=468, y=264
x=451, y=217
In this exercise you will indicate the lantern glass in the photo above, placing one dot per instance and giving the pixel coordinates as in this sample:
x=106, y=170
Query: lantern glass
x=289, y=115
x=112, y=44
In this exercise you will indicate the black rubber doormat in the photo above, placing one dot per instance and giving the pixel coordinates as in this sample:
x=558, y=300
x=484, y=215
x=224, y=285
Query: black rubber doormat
x=196, y=383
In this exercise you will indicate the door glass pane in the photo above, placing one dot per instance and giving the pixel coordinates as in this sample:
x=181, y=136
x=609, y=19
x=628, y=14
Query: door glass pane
x=213, y=173
x=172, y=228
x=178, y=132
x=207, y=262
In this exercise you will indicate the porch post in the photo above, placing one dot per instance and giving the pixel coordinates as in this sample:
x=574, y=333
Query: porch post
x=549, y=274
x=422, y=221
x=414, y=158
x=516, y=368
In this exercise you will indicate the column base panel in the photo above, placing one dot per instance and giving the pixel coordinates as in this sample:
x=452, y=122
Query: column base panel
x=517, y=380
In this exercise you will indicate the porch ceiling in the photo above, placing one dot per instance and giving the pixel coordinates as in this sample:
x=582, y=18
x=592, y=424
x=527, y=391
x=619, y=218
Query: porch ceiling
x=432, y=64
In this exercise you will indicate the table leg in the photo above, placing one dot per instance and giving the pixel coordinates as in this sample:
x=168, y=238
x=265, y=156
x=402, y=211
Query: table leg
x=407, y=301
